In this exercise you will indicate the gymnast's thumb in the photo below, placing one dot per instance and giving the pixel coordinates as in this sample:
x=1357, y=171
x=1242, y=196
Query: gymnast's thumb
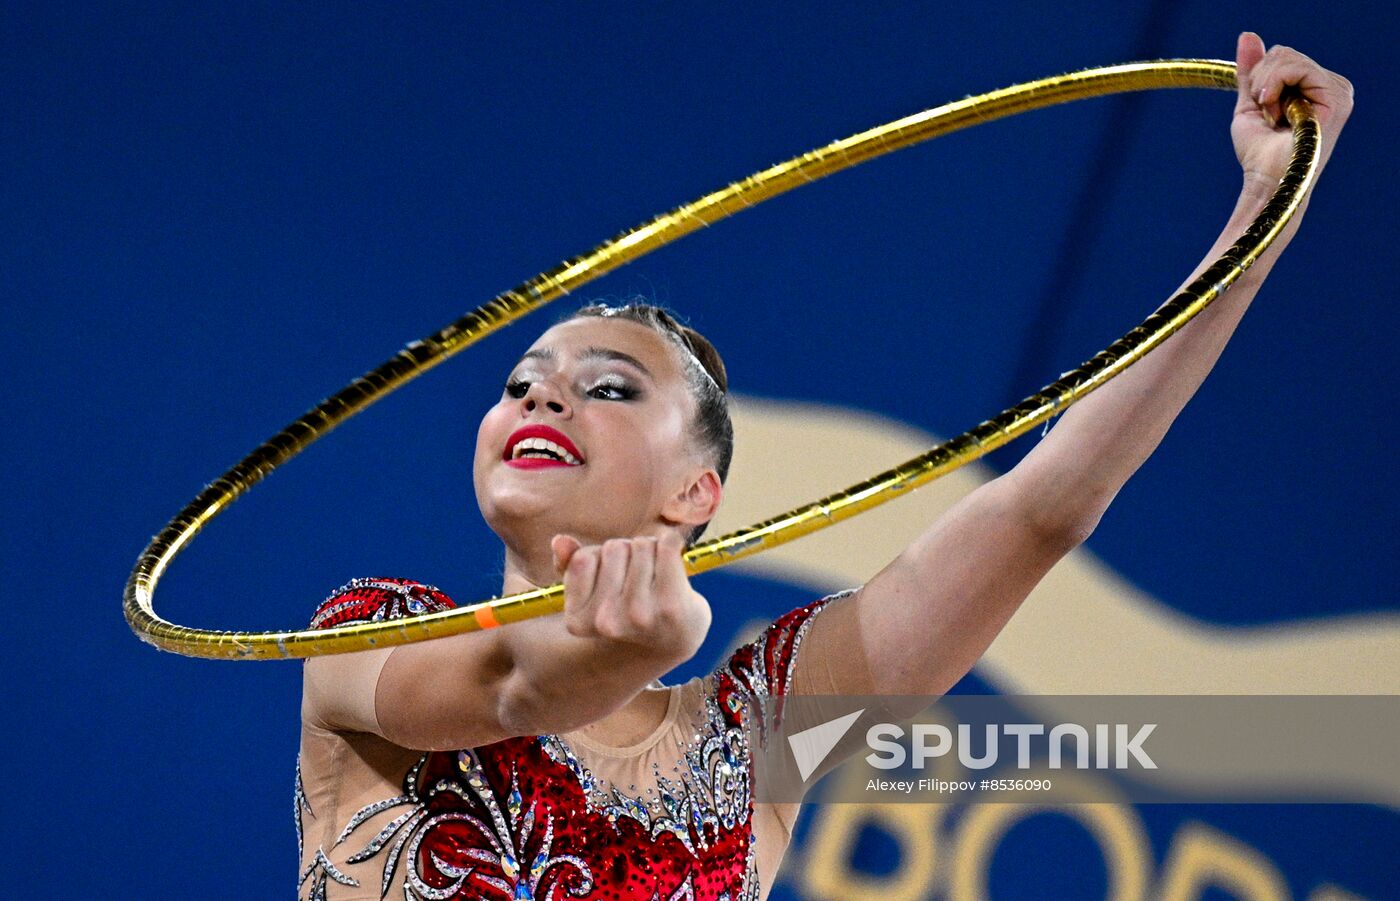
x=1249, y=50
x=563, y=547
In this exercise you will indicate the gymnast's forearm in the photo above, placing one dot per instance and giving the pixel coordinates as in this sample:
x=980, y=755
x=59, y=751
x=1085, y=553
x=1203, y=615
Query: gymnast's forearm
x=1078, y=468
x=561, y=682
x=1073, y=475
x=526, y=678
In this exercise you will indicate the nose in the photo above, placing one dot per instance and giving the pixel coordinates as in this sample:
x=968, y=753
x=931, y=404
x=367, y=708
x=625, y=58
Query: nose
x=543, y=393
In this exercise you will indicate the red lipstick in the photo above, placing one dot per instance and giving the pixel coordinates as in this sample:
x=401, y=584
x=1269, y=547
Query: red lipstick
x=537, y=430
x=538, y=463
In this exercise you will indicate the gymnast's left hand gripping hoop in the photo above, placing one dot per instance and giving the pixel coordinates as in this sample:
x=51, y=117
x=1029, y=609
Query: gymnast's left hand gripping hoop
x=420, y=356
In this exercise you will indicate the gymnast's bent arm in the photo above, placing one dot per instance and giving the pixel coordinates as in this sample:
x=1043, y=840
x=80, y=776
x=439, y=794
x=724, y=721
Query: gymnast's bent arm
x=925, y=619
x=629, y=617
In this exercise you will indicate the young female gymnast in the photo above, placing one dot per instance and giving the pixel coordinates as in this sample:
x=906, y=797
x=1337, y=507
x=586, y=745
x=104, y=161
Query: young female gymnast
x=544, y=759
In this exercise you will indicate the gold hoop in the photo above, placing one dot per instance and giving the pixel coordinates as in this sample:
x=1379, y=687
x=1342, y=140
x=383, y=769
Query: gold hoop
x=420, y=356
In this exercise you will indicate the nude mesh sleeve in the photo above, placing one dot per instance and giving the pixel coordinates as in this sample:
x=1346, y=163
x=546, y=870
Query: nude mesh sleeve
x=339, y=690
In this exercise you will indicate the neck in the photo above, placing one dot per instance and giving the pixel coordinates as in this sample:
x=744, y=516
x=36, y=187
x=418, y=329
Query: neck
x=527, y=572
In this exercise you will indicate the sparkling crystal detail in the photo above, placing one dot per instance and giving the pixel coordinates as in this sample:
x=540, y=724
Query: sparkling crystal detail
x=467, y=830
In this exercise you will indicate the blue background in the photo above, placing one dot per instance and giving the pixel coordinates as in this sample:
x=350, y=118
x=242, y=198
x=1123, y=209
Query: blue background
x=213, y=216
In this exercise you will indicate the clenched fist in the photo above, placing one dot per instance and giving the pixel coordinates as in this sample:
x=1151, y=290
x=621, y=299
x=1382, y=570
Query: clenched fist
x=1263, y=141
x=632, y=591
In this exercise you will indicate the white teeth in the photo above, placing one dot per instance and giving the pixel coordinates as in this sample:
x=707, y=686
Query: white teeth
x=542, y=448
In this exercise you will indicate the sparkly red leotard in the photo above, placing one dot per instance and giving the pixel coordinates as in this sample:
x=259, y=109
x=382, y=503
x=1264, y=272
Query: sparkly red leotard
x=538, y=816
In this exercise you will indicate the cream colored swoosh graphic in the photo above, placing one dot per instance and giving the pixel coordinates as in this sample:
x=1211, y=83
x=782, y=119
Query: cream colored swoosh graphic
x=1084, y=630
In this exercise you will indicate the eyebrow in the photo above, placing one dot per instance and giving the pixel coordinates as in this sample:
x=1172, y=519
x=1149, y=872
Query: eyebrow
x=591, y=353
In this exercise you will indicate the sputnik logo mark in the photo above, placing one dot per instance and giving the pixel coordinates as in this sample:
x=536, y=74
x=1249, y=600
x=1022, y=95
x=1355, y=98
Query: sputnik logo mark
x=811, y=746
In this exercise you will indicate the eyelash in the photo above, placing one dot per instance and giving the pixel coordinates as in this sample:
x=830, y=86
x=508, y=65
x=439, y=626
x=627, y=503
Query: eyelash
x=517, y=389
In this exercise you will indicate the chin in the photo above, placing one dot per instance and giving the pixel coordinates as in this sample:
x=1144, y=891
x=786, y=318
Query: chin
x=502, y=509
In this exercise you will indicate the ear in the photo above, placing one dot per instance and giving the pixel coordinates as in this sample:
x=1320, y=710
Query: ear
x=697, y=501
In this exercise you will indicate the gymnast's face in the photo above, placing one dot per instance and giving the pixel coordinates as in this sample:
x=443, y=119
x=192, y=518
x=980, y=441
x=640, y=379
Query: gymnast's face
x=591, y=437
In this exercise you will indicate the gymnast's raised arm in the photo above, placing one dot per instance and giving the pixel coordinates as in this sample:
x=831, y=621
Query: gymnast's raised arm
x=926, y=618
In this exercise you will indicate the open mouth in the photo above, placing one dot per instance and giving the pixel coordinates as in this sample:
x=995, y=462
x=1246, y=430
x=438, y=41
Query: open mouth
x=537, y=446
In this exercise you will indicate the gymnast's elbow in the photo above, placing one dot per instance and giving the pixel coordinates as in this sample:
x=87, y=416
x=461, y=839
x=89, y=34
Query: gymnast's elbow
x=453, y=701
x=522, y=708
x=1057, y=527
